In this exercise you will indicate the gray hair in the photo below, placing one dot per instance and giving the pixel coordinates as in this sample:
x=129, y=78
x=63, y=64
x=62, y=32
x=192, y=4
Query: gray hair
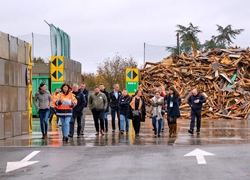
x=75, y=85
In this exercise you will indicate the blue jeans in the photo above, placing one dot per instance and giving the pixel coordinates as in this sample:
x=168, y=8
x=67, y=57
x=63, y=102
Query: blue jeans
x=106, y=120
x=44, y=115
x=159, y=124
x=124, y=119
x=65, y=125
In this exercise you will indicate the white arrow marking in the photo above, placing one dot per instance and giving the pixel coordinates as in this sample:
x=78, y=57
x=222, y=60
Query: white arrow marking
x=11, y=166
x=199, y=155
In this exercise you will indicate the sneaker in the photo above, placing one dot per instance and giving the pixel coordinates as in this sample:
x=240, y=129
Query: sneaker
x=70, y=135
x=78, y=136
x=137, y=134
x=191, y=131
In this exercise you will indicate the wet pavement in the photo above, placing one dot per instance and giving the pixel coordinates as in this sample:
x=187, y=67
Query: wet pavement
x=217, y=132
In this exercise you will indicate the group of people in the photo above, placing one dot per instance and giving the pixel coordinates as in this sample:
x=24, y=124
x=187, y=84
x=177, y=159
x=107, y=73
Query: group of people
x=69, y=105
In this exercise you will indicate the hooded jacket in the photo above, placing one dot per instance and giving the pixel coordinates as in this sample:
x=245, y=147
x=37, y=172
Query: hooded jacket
x=44, y=99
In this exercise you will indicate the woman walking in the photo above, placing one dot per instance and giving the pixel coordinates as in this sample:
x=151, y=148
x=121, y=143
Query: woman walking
x=65, y=103
x=44, y=102
x=157, y=102
x=173, y=110
x=124, y=106
x=138, y=111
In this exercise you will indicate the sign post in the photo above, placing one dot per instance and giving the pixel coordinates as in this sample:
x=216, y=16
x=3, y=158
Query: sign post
x=132, y=80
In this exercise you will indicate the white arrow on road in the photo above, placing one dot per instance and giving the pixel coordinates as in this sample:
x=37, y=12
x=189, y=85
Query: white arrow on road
x=11, y=166
x=199, y=155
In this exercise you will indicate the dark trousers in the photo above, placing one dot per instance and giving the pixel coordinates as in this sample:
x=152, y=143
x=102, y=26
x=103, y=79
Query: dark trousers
x=98, y=114
x=115, y=110
x=52, y=113
x=72, y=125
x=195, y=113
x=136, y=124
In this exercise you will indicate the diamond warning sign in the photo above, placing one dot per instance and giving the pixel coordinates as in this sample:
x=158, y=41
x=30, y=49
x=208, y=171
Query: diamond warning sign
x=57, y=75
x=132, y=75
x=57, y=62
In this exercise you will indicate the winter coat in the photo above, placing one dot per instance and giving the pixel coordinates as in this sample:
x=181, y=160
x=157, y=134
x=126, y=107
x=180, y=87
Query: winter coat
x=98, y=101
x=107, y=95
x=196, y=106
x=44, y=99
x=86, y=95
x=142, y=109
x=175, y=110
x=114, y=102
x=65, y=104
x=81, y=101
x=124, y=105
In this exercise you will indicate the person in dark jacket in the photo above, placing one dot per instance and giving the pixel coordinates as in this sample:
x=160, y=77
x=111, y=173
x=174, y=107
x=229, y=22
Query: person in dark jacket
x=77, y=111
x=124, y=107
x=137, y=111
x=106, y=111
x=173, y=102
x=84, y=111
x=195, y=101
x=114, y=104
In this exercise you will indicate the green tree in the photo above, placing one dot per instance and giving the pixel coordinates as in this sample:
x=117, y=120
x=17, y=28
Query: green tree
x=226, y=34
x=89, y=79
x=113, y=70
x=211, y=44
x=38, y=60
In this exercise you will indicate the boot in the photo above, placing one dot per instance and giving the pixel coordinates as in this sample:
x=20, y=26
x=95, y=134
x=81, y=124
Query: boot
x=43, y=137
x=170, y=129
x=175, y=130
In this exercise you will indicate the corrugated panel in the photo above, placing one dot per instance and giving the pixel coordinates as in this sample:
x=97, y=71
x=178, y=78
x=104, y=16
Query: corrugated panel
x=2, y=72
x=1, y=126
x=8, y=132
x=16, y=123
x=4, y=46
x=13, y=98
x=25, y=122
x=13, y=48
x=21, y=52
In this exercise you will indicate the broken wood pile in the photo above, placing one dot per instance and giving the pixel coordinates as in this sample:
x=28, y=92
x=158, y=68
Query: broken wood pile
x=222, y=75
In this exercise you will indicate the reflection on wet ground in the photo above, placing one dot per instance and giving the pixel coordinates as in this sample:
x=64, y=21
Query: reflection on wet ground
x=212, y=132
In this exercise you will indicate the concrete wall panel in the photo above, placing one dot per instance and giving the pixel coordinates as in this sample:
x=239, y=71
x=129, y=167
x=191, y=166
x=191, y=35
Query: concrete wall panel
x=1, y=126
x=25, y=122
x=2, y=72
x=16, y=123
x=13, y=48
x=24, y=69
x=4, y=46
x=22, y=99
x=6, y=72
x=18, y=75
x=12, y=73
x=21, y=55
x=8, y=130
x=13, y=98
x=5, y=98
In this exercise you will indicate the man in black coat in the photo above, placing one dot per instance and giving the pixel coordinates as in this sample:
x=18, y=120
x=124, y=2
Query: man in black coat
x=114, y=104
x=77, y=111
x=195, y=101
x=84, y=111
x=102, y=88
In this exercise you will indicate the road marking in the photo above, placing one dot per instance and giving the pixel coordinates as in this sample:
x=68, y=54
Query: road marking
x=11, y=166
x=199, y=155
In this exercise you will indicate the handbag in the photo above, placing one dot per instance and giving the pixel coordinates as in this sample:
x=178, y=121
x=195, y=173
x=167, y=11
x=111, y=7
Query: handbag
x=135, y=113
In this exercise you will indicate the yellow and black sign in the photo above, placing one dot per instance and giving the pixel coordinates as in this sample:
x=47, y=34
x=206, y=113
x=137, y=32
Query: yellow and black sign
x=57, y=75
x=57, y=62
x=132, y=75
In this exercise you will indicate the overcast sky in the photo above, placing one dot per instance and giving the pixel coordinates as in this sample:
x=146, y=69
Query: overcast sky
x=103, y=28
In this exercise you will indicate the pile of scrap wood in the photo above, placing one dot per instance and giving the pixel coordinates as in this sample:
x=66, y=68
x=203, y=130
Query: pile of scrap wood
x=222, y=75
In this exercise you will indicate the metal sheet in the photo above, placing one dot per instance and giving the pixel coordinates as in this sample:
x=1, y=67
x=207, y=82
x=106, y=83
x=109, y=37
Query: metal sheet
x=22, y=99
x=6, y=72
x=1, y=126
x=8, y=132
x=21, y=52
x=2, y=71
x=13, y=48
x=4, y=46
x=16, y=123
x=25, y=122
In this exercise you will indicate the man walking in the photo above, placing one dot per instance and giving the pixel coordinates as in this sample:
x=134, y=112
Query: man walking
x=114, y=104
x=106, y=111
x=97, y=104
x=77, y=111
x=84, y=111
x=195, y=101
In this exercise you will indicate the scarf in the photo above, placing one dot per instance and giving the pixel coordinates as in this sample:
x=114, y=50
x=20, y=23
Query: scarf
x=132, y=104
x=157, y=110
